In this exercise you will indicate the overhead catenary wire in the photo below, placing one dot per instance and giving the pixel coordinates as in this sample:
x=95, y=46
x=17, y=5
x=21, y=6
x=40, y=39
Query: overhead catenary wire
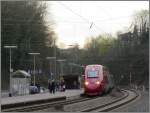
x=106, y=12
x=109, y=15
x=79, y=15
x=93, y=22
x=86, y=21
x=67, y=21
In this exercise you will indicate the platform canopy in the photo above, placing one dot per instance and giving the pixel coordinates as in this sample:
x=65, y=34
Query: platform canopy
x=20, y=74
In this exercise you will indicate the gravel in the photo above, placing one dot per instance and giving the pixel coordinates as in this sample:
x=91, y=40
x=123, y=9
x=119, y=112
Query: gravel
x=92, y=103
x=86, y=104
x=140, y=105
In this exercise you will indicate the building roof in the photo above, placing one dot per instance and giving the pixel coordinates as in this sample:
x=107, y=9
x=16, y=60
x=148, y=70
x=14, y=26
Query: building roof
x=20, y=74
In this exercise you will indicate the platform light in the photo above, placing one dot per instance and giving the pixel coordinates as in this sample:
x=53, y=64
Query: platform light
x=50, y=58
x=10, y=47
x=34, y=54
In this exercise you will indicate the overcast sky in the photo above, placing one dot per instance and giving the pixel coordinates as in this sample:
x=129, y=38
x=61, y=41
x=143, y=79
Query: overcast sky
x=77, y=20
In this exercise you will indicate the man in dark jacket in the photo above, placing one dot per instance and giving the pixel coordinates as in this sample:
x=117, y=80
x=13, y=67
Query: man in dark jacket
x=50, y=86
x=38, y=86
x=53, y=86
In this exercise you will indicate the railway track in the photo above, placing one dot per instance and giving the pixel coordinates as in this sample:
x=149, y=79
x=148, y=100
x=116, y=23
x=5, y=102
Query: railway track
x=129, y=96
x=37, y=107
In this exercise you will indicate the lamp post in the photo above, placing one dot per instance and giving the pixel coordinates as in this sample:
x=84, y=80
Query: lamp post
x=34, y=54
x=130, y=66
x=61, y=60
x=50, y=58
x=10, y=69
x=55, y=54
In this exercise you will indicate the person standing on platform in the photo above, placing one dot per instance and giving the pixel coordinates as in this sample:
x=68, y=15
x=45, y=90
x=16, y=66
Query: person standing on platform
x=63, y=86
x=75, y=85
x=57, y=86
x=38, y=86
x=50, y=86
x=31, y=89
x=53, y=86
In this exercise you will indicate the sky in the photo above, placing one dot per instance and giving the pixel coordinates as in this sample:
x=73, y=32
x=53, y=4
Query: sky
x=75, y=21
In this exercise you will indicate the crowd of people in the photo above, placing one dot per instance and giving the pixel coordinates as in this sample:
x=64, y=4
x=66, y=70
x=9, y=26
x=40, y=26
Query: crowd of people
x=34, y=88
x=54, y=86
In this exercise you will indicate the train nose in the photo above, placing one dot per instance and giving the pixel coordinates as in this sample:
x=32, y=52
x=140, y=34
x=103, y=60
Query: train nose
x=86, y=83
x=92, y=85
x=97, y=83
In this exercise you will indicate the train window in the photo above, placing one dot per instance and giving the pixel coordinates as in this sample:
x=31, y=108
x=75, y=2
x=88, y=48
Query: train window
x=92, y=73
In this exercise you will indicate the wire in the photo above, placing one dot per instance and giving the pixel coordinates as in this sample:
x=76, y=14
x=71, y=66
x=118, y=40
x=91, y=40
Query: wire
x=68, y=8
x=117, y=18
x=74, y=12
x=103, y=10
x=110, y=17
x=17, y=20
x=79, y=15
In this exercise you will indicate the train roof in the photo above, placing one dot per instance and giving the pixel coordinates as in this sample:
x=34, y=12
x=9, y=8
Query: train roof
x=92, y=65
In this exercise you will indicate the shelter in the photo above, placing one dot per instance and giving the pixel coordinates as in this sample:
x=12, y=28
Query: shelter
x=72, y=81
x=20, y=82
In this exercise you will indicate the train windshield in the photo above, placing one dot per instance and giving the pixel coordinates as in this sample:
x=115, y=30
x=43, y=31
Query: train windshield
x=92, y=73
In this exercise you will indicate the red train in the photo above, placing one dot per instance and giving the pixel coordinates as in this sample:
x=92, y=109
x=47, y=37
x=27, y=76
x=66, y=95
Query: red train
x=97, y=80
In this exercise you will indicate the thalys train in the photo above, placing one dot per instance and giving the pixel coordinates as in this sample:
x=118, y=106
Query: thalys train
x=97, y=80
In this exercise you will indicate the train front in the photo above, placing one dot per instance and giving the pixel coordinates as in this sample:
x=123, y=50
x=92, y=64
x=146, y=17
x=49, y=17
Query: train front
x=93, y=79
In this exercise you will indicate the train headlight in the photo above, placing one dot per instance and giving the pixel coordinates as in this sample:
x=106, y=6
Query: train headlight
x=86, y=83
x=98, y=82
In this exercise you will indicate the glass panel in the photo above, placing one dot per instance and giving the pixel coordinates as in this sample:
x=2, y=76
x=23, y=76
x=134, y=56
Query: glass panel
x=92, y=73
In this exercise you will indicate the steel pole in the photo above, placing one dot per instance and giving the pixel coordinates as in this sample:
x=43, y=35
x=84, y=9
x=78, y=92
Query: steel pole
x=55, y=69
x=10, y=73
x=55, y=58
x=71, y=68
x=130, y=78
x=60, y=74
x=62, y=68
x=50, y=69
x=34, y=70
x=10, y=70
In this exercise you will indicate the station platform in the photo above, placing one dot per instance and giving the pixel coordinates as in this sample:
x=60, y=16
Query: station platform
x=41, y=96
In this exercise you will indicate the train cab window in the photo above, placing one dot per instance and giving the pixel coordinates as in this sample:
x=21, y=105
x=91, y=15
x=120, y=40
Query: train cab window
x=92, y=73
